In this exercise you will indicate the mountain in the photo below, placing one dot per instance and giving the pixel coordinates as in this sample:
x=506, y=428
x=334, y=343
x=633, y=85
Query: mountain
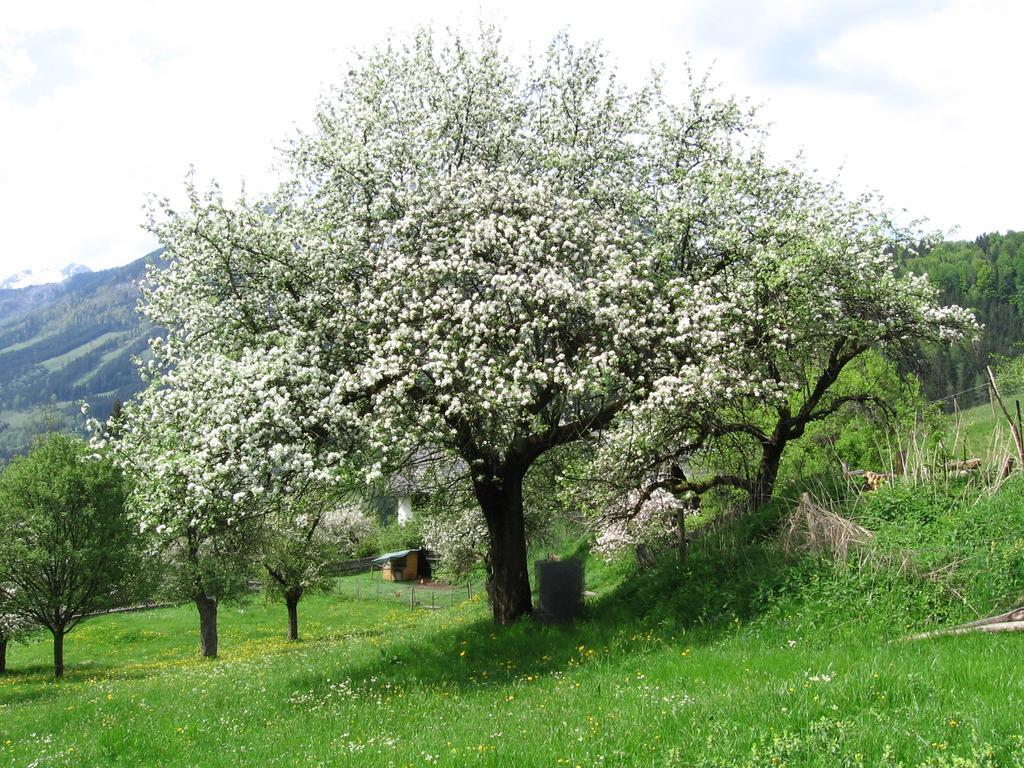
x=67, y=341
x=30, y=277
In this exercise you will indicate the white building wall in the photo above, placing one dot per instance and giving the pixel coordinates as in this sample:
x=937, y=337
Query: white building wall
x=404, y=509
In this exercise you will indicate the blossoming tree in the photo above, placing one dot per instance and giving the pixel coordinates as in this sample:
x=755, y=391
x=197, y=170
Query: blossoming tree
x=495, y=262
x=12, y=626
x=469, y=256
x=304, y=533
x=183, y=443
x=819, y=276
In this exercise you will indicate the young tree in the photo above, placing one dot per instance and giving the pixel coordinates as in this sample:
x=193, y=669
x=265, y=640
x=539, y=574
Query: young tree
x=642, y=524
x=67, y=548
x=176, y=445
x=468, y=256
x=209, y=558
x=303, y=536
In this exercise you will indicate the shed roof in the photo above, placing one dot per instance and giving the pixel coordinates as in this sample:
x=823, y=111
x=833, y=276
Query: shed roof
x=393, y=555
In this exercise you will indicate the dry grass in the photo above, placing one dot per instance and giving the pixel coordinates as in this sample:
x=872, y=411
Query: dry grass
x=817, y=529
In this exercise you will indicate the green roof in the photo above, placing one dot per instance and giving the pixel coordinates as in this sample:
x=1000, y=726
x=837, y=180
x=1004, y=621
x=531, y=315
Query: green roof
x=393, y=555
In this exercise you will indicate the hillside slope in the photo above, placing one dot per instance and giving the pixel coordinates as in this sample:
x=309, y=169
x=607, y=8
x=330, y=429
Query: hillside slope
x=67, y=342
x=741, y=658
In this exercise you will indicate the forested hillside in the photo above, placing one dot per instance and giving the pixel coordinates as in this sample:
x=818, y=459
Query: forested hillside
x=67, y=342
x=986, y=275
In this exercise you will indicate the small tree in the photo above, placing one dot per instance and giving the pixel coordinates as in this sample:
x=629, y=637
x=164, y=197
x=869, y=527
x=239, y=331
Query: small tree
x=207, y=540
x=459, y=537
x=303, y=536
x=632, y=522
x=210, y=559
x=220, y=470
x=67, y=548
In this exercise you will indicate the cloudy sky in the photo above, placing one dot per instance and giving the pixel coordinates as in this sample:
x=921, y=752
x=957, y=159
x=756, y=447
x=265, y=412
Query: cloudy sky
x=105, y=103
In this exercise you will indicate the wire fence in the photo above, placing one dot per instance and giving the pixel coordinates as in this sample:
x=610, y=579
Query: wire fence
x=430, y=595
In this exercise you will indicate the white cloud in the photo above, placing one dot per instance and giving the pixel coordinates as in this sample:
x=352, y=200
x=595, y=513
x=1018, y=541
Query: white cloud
x=935, y=123
x=920, y=105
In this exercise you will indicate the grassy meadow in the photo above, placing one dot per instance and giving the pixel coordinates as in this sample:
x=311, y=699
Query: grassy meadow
x=983, y=431
x=743, y=656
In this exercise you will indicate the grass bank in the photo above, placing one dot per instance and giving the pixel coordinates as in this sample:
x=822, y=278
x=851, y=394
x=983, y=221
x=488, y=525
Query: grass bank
x=741, y=657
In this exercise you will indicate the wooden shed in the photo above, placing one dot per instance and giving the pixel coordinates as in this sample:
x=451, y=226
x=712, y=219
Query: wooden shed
x=404, y=565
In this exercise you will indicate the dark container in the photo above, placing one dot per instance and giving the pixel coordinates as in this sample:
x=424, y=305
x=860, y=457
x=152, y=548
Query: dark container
x=560, y=590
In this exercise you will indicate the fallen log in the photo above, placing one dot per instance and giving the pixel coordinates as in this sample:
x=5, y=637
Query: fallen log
x=1011, y=621
x=873, y=480
x=963, y=467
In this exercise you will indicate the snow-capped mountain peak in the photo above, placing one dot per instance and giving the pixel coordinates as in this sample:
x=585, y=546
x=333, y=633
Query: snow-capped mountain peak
x=42, y=277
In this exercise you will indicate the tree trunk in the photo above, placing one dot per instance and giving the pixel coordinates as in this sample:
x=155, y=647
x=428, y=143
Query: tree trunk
x=291, y=599
x=501, y=501
x=679, y=477
x=681, y=533
x=767, y=473
x=3, y=656
x=207, y=626
x=644, y=557
x=58, y=652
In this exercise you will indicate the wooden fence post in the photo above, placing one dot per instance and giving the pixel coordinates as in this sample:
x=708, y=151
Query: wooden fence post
x=1014, y=429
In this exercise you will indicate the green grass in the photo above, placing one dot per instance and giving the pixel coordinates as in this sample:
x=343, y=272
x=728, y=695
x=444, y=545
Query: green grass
x=982, y=431
x=737, y=658
x=372, y=587
x=26, y=343
x=105, y=358
x=54, y=363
